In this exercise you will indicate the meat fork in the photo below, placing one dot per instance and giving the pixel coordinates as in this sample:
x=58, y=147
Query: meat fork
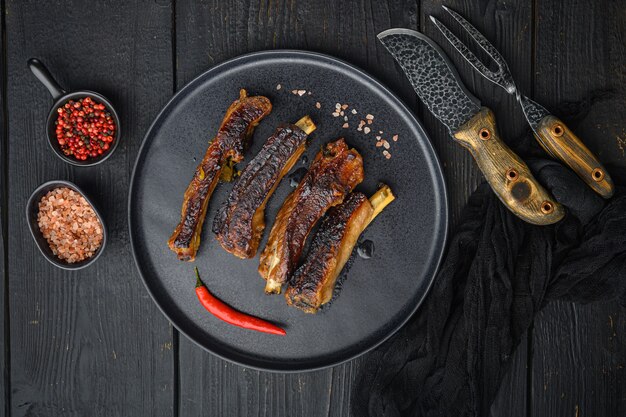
x=551, y=133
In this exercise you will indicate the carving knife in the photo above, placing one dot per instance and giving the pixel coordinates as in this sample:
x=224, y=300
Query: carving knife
x=439, y=86
x=552, y=134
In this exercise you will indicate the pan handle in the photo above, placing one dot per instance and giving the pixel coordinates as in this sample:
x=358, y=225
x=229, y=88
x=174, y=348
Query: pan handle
x=44, y=76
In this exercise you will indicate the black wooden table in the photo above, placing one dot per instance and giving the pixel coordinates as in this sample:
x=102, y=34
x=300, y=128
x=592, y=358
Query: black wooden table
x=92, y=343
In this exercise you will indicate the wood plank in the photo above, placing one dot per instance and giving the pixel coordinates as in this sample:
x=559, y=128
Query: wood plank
x=579, y=351
x=511, y=399
x=4, y=204
x=212, y=386
x=209, y=33
x=508, y=26
x=578, y=361
x=89, y=342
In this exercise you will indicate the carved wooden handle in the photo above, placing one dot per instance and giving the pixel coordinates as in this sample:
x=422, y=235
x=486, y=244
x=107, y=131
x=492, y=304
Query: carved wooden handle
x=509, y=177
x=560, y=141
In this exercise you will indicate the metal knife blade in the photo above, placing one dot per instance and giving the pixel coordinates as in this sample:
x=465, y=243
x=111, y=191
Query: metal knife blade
x=432, y=75
x=533, y=112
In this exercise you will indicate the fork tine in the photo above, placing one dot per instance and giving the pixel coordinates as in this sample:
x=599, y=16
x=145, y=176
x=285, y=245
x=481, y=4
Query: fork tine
x=479, y=38
x=464, y=50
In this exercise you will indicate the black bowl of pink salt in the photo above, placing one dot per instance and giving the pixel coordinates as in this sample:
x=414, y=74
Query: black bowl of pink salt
x=83, y=128
x=66, y=226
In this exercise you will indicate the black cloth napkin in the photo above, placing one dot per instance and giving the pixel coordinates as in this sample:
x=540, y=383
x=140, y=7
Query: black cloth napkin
x=498, y=272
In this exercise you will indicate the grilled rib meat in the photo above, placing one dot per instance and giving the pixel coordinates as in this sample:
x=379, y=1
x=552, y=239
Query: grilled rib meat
x=312, y=284
x=335, y=171
x=240, y=222
x=224, y=150
x=314, y=281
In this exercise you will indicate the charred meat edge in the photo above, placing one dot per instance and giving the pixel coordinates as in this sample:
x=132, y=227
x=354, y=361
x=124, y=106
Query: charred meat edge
x=335, y=172
x=225, y=150
x=313, y=283
x=240, y=222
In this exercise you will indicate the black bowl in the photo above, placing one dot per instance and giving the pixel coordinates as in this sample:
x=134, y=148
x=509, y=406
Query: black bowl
x=32, y=209
x=60, y=98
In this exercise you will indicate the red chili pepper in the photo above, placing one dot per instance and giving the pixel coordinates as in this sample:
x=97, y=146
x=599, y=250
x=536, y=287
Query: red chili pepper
x=228, y=314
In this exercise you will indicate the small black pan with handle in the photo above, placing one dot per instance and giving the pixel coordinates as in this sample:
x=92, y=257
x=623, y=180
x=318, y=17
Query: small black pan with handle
x=61, y=97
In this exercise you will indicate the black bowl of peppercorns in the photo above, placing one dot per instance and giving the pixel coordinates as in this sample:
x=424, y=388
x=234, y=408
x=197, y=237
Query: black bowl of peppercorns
x=83, y=128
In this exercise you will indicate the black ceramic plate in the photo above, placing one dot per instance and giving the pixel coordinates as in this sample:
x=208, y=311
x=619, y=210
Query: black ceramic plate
x=378, y=295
